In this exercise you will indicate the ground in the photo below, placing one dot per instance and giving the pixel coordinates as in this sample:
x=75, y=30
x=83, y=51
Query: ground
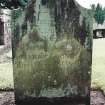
x=7, y=98
x=97, y=98
x=98, y=74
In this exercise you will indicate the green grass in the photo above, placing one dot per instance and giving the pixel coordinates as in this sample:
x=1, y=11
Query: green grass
x=6, y=76
x=98, y=68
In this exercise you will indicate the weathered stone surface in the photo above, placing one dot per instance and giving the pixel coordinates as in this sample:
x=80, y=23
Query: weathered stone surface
x=53, y=51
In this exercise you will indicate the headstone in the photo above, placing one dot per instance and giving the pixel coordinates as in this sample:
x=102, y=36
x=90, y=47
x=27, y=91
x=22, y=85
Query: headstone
x=52, y=61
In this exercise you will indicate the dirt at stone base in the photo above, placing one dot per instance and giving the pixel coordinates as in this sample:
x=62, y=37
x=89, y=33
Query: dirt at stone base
x=7, y=98
x=97, y=98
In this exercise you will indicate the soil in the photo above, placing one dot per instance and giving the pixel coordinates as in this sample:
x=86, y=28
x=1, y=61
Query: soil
x=7, y=98
x=97, y=98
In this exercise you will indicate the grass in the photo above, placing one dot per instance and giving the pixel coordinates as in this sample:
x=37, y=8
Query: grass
x=98, y=66
x=6, y=76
